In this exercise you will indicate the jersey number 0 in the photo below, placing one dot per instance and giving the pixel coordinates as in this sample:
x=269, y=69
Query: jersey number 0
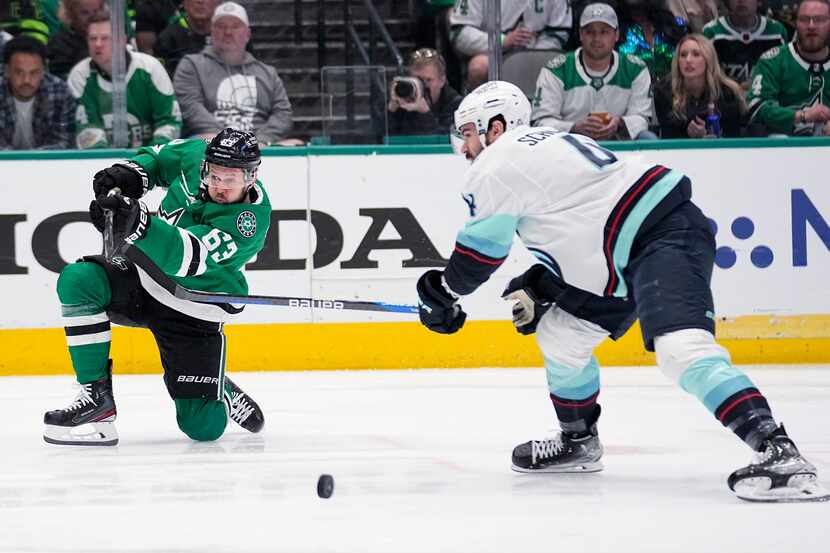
x=591, y=151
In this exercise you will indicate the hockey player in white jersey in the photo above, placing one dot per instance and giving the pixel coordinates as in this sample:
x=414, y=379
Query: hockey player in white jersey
x=615, y=240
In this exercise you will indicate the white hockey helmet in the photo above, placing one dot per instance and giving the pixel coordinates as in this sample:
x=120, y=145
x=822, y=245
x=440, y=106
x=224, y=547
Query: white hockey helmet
x=488, y=101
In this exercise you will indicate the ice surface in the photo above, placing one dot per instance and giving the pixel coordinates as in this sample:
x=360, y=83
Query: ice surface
x=421, y=461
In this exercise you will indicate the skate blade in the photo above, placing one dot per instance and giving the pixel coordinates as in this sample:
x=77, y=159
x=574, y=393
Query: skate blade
x=562, y=469
x=94, y=433
x=800, y=488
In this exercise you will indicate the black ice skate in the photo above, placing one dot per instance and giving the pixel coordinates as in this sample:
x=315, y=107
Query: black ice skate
x=89, y=420
x=242, y=409
x=778, y=474
x=562, y=453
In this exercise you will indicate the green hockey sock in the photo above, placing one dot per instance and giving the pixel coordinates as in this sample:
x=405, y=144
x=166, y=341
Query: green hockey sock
x=84, y=292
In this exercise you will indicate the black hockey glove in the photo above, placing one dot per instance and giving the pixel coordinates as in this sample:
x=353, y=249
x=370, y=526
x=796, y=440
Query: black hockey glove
x=438, y=309
x=534, y=292
x=129, y=177
x=131, y=220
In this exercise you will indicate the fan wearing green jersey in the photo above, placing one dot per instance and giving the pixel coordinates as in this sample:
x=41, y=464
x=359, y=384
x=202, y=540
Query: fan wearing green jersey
x=595, y=91
x=210, y=224
x=742, y=36
x=790, y=86
x=153, y=115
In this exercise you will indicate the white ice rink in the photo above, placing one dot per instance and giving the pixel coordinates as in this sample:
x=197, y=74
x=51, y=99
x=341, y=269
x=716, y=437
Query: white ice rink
x=421, y=461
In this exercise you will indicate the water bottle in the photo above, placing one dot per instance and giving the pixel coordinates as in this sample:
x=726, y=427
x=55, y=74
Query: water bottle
x=712, y=122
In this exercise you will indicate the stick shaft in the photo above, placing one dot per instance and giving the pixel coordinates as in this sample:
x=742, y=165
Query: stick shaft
x=140, y=259
x=109, y=237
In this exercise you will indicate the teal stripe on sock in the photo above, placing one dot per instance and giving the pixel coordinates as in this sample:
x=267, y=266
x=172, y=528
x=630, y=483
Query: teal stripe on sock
x=567, y=383
x=716, y=397
x=713, y=379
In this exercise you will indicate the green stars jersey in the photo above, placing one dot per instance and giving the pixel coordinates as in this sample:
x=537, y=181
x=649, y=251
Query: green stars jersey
x=566, y=93
x=152, y=110
x=739, y=50
x=202, y=245
x=782, y=83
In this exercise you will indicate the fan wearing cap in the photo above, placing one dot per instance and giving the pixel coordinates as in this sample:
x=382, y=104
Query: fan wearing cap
x=226, y=86
x=595, y=91
x=212, y=221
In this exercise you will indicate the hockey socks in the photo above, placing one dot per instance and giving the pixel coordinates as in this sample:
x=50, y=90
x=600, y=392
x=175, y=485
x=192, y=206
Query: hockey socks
x=748, y=415
x=84, y=293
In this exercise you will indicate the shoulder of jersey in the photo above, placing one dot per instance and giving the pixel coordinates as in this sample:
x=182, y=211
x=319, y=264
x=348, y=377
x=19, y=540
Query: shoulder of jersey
x=771, y=53
x=635, y=60
x=556, y=61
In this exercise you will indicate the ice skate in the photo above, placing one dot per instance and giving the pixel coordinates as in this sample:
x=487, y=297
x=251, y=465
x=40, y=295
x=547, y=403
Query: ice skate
x=778, y=474
x=88, y=420
x=242, y=409
x=561, y=453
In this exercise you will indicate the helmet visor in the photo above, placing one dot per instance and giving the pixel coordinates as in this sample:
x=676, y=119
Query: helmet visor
x=226, y=178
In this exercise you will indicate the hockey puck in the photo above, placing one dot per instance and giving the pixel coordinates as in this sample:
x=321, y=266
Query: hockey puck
x=325, y=486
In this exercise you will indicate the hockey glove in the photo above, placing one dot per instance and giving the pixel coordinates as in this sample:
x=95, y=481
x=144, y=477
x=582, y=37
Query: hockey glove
x=534, y=292
x=128, y=176
x=131, y=220
x=438, y=309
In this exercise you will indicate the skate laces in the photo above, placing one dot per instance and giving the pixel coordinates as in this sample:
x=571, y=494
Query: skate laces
x=82, y=399
x=240, y=408
x=546, y=448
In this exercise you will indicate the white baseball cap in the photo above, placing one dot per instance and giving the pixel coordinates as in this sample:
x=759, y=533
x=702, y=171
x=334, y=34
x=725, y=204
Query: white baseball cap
x=231, y=9
x=598, y=12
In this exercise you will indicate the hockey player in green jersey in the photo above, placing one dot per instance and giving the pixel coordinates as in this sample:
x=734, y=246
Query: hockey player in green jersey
x=790, y=88
x=212, y=221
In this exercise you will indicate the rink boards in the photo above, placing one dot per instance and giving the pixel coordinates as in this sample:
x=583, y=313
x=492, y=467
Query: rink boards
x=364, y=223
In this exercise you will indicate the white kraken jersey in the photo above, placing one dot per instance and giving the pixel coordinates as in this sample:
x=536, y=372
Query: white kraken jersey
x=574, y=204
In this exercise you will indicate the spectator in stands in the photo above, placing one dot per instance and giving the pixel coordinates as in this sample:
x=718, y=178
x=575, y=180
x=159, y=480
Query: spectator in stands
x=68, y=46
x=790, y=88
x=742, y=36
x=187, y=34
x=594, y=90
x=696, y=13
x=650, y=32
x=151, y=18
x=431, y=107
x=36, y=109
x=538, y=25
x=152, y=110
x=683, y=97
x=225, y=86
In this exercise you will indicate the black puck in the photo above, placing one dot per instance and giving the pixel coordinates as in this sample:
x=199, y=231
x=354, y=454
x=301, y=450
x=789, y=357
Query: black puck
x=325, y=486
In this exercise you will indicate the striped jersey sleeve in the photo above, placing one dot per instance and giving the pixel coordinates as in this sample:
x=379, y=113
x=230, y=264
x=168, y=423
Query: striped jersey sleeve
x=484, y=242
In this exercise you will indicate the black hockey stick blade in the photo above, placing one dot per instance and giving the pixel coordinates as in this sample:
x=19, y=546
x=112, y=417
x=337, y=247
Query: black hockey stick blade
x=141, y=260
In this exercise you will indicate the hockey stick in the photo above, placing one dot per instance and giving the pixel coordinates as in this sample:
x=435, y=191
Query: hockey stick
x=109, y=239
x=140, y=259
